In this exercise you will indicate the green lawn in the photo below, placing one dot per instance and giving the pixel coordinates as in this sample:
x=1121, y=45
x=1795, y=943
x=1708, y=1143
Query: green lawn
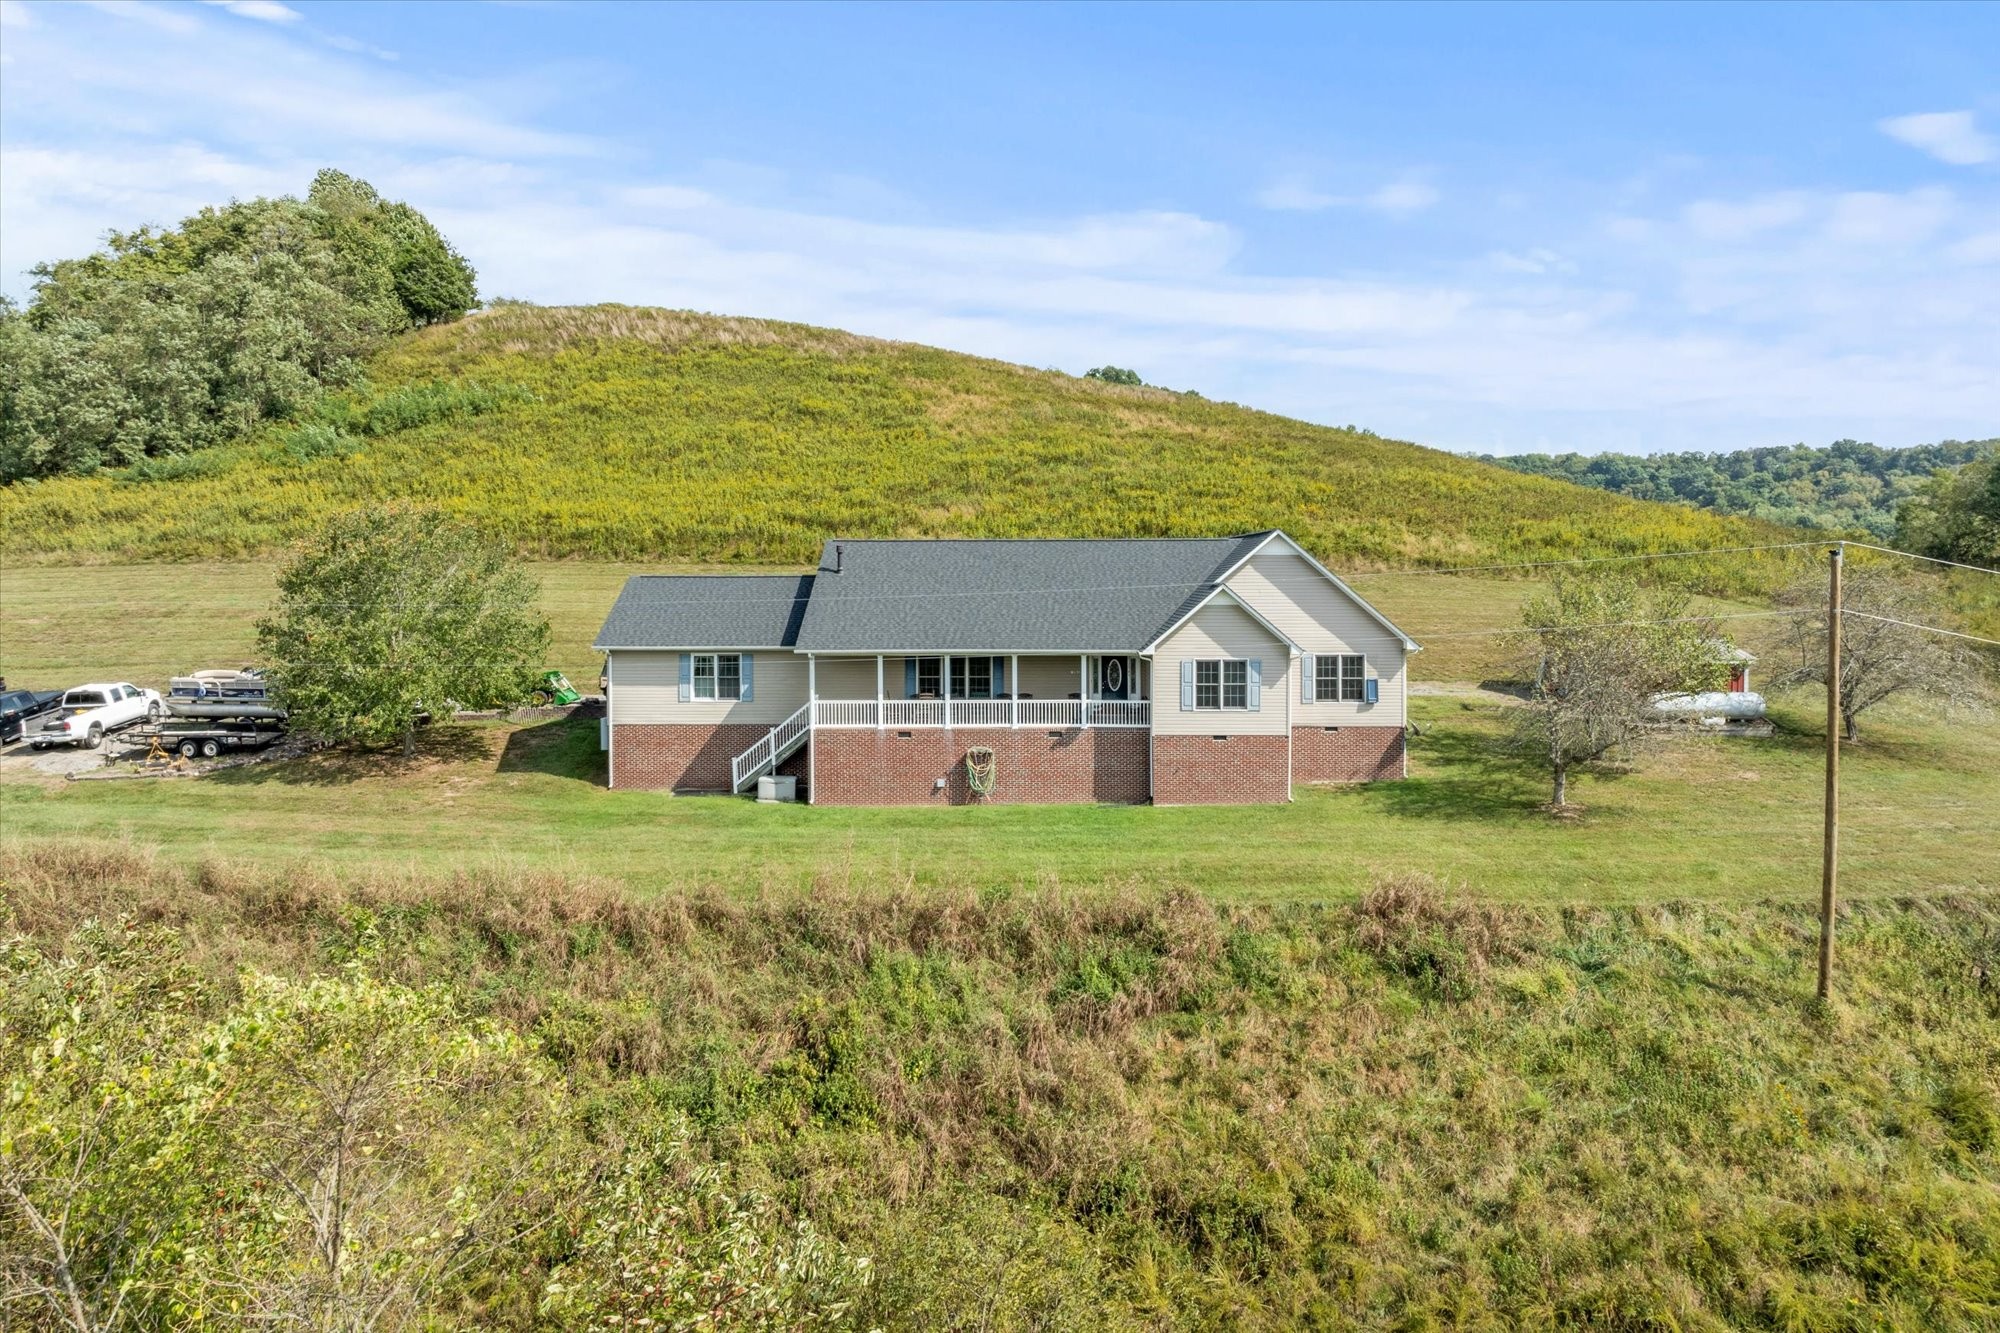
x=1703, y=818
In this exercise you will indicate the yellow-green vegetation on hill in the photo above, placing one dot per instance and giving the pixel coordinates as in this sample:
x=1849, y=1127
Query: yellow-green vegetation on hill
x=613, y=432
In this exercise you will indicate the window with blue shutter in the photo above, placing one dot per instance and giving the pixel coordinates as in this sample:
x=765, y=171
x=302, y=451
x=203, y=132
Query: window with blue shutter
x=747, y=660
x=687, y=677
x=1187, y=685
x=1253, y=694
x=909, y=678
x=1308, y=676
x=999, y=675
x=1374, y=694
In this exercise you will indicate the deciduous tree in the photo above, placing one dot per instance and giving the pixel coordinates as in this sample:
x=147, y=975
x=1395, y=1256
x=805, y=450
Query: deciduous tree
x=1880, y=658
x=1607, y=647
x=389, y=614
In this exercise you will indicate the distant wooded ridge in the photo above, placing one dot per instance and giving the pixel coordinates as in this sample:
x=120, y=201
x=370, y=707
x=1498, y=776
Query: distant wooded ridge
x=1847, y=486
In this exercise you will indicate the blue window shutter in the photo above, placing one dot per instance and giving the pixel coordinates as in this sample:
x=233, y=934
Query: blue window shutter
x=1308, y=676
x=746, y=659
x=999, y=676
x=1187, y=685
x=1371, y=690
x=687, y=677
x=909, y=678
x=1254, y=689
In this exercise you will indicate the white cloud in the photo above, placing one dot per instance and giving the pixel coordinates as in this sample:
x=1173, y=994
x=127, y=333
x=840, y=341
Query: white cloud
x=1948, y=136
x=1402, y=197
x=1293, y=194
x=14, y=14
x=1875, y=218
x=1729, y=220
x=1398, y=198
x=266, y=11
x=1536, y=261
x=156, y=16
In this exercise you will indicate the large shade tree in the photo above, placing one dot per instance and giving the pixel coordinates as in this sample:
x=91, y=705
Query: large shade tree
x=1606, y=648
x=387, y=615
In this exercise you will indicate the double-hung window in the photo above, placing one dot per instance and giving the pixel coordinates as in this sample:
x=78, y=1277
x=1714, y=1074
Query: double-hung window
x=930, y=677
x=718, y=675
x=1207, y=684
x=1339, y=676
x=1221, y=683
x=972, y=678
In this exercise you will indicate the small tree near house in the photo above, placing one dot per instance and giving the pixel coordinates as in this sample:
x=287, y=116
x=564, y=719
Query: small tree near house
x=1607, y=647
x=1879, y=659
x=386, y=615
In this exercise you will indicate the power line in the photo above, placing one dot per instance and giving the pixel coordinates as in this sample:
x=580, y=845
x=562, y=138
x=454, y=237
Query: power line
x=1582, y=560
x=1911, y=624
x=1616, y=624
x=1912, y=555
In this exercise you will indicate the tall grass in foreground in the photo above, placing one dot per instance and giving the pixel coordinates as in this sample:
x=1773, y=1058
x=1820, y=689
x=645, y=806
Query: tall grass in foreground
x=617, y=433
x=1129, y=1107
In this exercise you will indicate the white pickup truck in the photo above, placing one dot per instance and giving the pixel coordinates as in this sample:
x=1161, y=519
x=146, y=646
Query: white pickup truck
x=88, y=713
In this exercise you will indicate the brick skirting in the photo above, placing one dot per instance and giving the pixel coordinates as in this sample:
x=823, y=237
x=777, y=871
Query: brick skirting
x=1237, y=770
x=863, y=766
x=1347, y=754
x=649, y=756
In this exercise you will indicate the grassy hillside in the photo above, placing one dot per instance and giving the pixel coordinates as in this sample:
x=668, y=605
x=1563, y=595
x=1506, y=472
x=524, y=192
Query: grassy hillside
x=1026, y=1110
x=617, y=433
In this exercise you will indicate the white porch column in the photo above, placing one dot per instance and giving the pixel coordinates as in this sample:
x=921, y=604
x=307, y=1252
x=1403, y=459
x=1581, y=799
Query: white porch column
x=944, y=675
x=879, y=709
x=1014, y=690
x=812, y=686
x=1082, y=689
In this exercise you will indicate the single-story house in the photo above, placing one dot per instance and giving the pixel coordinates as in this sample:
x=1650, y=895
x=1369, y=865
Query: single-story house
x=1175, y=671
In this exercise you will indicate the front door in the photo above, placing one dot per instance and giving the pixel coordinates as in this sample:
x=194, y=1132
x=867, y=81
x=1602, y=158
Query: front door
x=1112, y=678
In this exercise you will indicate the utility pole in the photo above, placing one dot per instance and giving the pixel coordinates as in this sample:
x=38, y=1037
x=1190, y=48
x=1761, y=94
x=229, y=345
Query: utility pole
x=1830, y=850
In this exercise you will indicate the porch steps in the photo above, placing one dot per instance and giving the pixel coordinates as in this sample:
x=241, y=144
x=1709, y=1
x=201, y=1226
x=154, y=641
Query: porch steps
x=764, y=757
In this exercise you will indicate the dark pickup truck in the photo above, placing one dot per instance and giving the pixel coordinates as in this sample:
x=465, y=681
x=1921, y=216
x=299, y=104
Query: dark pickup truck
x=20, y=707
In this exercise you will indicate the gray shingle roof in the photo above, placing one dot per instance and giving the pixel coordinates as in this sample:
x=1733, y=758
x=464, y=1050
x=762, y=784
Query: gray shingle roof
x=1010, y=596
x=707, y=611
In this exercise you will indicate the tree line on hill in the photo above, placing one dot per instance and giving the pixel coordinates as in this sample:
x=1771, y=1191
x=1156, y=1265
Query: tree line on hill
x=169, y=340
x=1936, y=499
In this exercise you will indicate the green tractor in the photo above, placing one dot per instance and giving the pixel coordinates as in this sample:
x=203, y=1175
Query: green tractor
x=553, y=688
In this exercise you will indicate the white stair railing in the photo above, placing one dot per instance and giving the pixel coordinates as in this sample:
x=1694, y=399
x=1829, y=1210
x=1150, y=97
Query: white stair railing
x=762, y=757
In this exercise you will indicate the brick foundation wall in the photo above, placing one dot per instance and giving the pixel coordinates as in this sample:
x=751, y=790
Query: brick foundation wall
x=650, y=756
x=1200, y=770
x=1347, y=754
x=862, y=766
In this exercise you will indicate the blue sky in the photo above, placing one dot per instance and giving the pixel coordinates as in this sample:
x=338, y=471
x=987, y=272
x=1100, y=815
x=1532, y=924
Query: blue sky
x=1481, y=227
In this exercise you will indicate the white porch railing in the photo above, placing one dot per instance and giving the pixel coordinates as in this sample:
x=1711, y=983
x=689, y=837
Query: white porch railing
x=979, y=712
x=845, y=713
x=1051, y=712
x=913, y=713
x=909, y=713
x=1118, y=713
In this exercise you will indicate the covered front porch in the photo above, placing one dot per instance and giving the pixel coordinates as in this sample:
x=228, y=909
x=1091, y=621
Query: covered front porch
x=905, y=691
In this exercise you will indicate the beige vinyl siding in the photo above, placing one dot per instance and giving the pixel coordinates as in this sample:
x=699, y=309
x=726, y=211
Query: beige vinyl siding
x=854, y=678
x=1221, y=629
x=1321, y=619
x=645, y=687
